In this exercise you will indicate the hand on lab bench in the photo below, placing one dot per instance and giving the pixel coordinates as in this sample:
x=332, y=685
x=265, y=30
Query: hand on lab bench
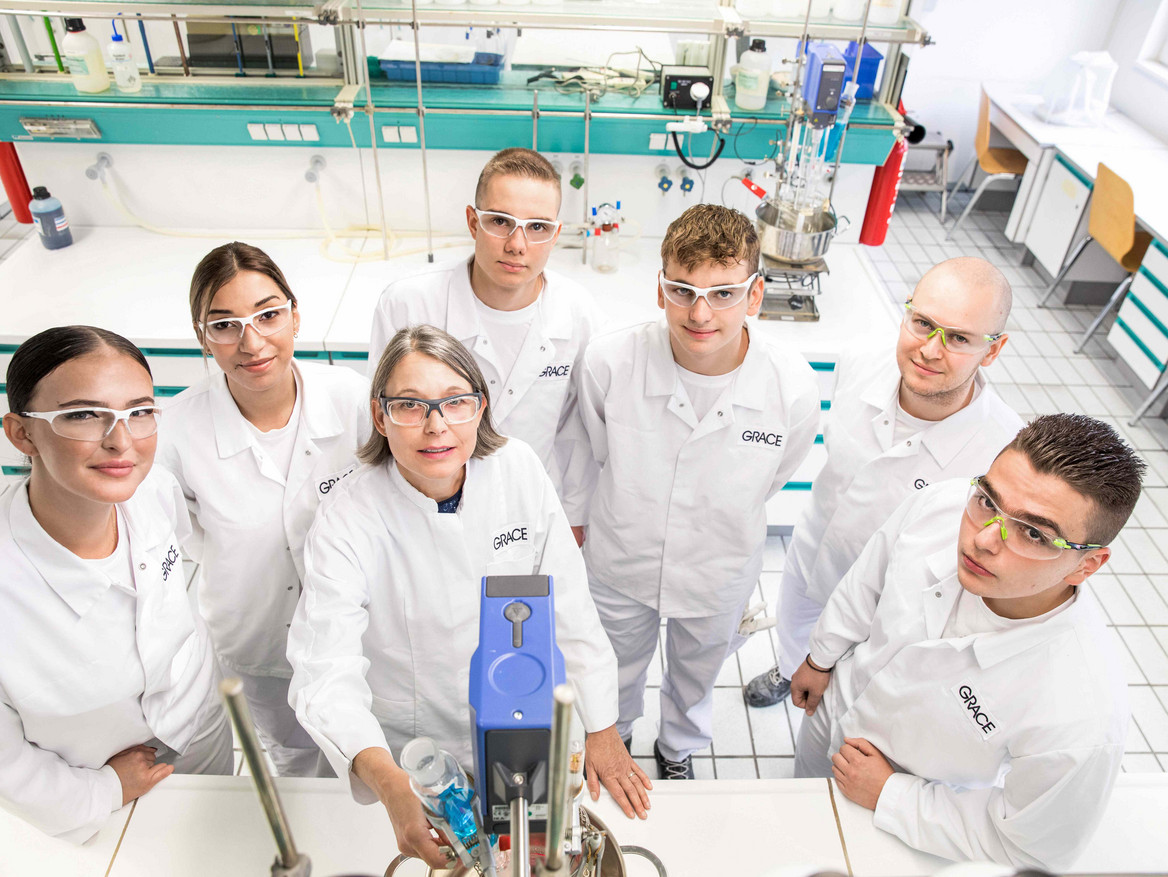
x=807, y=686
x=377, y=769
x=578, y=532
x=138, y=771
x=607, y=761
x=860, y=771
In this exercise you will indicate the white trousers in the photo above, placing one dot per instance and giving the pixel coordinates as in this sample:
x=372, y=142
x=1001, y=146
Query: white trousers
x=813, y=750
x=289, y=745
x=209, y=753
x=796, y=614
x=695, y=650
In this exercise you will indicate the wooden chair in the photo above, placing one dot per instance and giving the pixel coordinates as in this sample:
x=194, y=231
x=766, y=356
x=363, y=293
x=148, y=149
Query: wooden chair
x=1111, y=222
x=998, y=163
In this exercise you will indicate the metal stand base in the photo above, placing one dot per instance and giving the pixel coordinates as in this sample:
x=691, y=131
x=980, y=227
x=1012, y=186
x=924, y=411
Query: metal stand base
x=790, y=290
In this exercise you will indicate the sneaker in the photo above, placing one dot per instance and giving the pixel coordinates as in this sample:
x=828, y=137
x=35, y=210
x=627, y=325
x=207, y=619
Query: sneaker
x=766, y=689
x=672, y=770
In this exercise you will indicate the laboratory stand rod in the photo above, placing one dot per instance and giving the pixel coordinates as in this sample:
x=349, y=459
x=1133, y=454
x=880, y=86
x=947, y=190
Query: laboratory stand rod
x=587, y=174
x=535, y=121
x=839, y=150
x=21, y=47
x=520, y=839
x=182, y=53
x=232, y=691
x=557, y=820
x=422, y=134
x=364, y=67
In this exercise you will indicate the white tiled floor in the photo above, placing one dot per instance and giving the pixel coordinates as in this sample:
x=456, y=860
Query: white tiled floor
x=1038, y=374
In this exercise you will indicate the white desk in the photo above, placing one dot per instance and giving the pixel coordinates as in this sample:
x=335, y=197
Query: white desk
x=26, y=850
x=1013, y=117
x=213, y=825
x=1144, y=168
x=1131, y=838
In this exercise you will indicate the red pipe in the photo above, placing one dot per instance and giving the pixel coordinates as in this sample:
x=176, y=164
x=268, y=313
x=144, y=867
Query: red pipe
x=15, y=185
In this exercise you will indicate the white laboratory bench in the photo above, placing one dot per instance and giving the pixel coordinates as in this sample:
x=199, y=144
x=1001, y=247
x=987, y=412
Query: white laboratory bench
x=136, y=283
x=191, y=826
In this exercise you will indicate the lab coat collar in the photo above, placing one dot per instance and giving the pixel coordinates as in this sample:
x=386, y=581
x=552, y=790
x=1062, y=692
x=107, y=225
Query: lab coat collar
x=994, y=647
x=554, y=316
x=398, y=485
x=66, y=573
x=318, y=415
x=945, y=439
x=661, y=377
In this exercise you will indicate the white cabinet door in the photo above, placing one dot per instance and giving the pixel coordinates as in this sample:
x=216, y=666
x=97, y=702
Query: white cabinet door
x=1061, y=203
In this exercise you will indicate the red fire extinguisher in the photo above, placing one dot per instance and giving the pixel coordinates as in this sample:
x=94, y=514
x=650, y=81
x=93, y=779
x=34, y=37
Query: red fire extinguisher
x=882, y=197
x=15, y=185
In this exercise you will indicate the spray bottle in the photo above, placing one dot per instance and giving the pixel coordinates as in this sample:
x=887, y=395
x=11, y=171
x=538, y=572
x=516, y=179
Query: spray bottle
x=446, y=796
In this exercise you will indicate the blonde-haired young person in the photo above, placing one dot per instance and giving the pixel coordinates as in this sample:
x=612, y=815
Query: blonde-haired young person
x=526, y=326
x=696, y=421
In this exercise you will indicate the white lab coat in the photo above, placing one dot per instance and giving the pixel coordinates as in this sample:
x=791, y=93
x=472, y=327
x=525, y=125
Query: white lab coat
x=250, y=523
x=65, y=706
x=678, y=520
x=866, y=476
x=1024, y=780
x=536, y=401
x=383, y=636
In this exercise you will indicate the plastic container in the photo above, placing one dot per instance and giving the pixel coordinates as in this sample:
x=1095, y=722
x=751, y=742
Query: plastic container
x=49, y=218
x=441, y=785
x=752, y=77
x=869, y=67
x=849, y=10
x=604, y=249
x=82, y=55
x=484, y=70
x=126, y=75
x=885, y=12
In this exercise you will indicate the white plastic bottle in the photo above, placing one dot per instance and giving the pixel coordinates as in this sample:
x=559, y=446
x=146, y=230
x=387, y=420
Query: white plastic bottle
x=83, y=58
x=752, y=77
x=126, y=74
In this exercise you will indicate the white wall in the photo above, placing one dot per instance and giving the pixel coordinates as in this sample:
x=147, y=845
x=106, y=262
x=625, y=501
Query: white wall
x=1133, y=92
x=260, y=187
x=1014, y=42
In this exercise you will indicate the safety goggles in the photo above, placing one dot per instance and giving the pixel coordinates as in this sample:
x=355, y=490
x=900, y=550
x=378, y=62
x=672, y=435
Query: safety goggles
x=955, y=340
x=269, y=321
x=717, y=297
x=1028, y=540
x=503, y=225
x=94, y=424
x=408, y=411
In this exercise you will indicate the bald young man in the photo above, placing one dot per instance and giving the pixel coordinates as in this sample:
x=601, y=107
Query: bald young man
x=898, y=423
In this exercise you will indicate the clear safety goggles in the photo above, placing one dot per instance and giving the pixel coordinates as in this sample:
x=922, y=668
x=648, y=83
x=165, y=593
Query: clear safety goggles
x=269, y=321
x=94, y=424
x=1028, y=540
x=503, y=225
x=955, y=340
x=717, y=297
x=408, y=411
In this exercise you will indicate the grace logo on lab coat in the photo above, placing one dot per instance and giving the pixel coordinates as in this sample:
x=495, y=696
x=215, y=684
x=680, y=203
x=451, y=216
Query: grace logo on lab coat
x=557, y=371
x=975, y=710
x=332, y=481
x=510, y=535
x=773, y=439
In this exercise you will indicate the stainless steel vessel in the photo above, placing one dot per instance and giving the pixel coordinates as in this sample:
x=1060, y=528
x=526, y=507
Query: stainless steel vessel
x=795, y=237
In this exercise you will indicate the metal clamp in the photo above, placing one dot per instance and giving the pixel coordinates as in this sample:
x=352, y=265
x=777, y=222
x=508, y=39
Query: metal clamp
x=732, y=23
x=331, y=12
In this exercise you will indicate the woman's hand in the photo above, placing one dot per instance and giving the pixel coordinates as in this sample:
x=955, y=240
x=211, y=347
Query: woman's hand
x=138, y=771
x=607, y=761
x=377, y=769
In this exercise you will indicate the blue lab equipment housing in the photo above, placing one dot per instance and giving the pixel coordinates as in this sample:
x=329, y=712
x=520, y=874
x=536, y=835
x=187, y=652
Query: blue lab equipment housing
x=512, y=674
x=824, y=83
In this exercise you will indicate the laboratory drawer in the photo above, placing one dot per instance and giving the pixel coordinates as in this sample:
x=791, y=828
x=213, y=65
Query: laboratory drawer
x=1134, y=351
x=1147, y=326
x=1156, y=262
x=1152, y=293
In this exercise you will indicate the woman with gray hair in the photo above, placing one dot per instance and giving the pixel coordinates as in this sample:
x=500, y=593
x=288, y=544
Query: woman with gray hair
x=383, y=635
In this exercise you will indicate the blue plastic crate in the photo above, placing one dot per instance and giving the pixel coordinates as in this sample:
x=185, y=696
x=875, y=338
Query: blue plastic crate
x=484, y=70
x=868, y=69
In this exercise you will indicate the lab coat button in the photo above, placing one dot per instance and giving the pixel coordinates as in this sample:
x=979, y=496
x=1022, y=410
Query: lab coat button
x=510, y=392
x=719, y=413
x=886, y=423
x=936, y=593
x=909, y=443
x=308, y=453
x=289, y=587
x=141, y=566
x=542, y=349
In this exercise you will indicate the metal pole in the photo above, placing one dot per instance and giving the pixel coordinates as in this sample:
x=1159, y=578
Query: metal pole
x=558, y=807
x=422, y=134
x=232, y=692
x=535, y=121
x=21, y=47
x=587, y=174
x=364, y=67
x=520, y=839
x=839, y=150
x=182, y=52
